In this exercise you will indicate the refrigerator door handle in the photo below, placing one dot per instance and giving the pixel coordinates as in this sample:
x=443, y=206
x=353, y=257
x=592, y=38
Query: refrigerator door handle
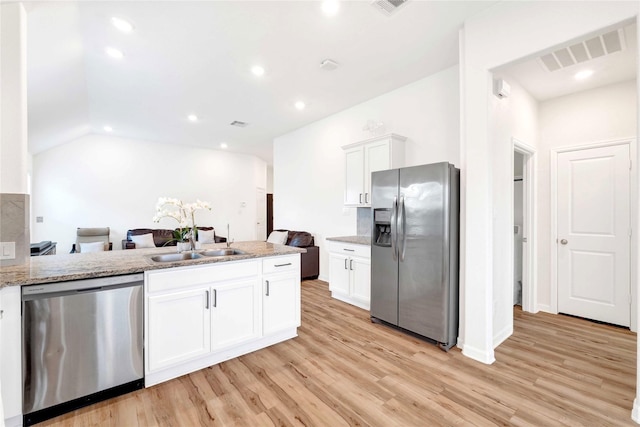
x=401, y=229
x=394, y=233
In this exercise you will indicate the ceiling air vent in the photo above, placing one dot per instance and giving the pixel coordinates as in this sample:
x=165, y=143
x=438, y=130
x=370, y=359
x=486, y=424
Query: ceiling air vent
x=388, y=7
x=604, y=44
x=239, y=124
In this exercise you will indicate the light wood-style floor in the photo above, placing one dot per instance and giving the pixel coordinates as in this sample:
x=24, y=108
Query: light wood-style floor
x=343, y=370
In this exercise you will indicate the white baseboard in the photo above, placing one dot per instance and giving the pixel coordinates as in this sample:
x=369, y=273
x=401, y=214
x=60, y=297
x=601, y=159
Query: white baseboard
x=635, y=412
x=546, y=308
x=501, y=336
x=13, y=421
x=486, y=357
x=323, y=278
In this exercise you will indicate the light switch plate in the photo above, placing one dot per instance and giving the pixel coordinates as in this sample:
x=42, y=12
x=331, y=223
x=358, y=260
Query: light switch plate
x=7, y=250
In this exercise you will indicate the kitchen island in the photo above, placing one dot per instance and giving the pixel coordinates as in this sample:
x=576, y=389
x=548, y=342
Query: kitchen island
x=197, y=312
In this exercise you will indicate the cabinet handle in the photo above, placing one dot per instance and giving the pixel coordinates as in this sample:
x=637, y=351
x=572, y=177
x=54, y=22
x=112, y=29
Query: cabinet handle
x=282, y=265
x=345, y=263
x=350, y=264
x=267, y=282
x=366, y=197
x=206, y=305
x=215, y=298
x=349, y=250
x=360, y=198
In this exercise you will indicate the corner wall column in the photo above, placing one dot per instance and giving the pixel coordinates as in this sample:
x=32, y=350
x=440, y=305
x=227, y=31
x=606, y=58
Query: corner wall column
x=14, y=200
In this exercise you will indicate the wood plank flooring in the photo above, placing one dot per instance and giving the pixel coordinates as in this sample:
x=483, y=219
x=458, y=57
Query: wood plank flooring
x=342, y=370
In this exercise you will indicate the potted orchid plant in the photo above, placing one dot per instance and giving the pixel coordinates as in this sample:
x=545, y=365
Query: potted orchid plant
x=184, y=213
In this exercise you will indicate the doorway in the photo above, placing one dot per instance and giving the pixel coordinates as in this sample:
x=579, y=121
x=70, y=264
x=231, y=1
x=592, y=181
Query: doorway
x=524, y=265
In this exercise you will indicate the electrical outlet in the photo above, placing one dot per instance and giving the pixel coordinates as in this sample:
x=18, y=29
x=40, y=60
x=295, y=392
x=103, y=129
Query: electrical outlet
x=7, y=250
x=39, y=219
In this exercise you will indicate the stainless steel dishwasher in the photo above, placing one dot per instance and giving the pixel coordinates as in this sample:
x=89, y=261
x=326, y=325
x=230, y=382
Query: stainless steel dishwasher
x=82, y=342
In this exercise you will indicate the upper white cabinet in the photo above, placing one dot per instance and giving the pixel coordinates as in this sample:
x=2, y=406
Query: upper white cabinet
x=362, y=158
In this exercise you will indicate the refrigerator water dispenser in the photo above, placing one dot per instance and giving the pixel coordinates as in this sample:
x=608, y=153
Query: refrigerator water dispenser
x=382, y=227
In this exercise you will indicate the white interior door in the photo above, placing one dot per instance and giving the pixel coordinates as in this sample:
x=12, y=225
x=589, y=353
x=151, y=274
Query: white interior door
x=261, y=214
x=593, y=233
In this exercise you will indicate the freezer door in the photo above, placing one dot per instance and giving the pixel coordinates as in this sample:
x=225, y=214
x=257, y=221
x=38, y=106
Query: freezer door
x=423, y=246
x=384, y=264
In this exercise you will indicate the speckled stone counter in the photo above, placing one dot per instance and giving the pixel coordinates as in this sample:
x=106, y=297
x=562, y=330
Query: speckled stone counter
x=58, y=268
x=358, y=240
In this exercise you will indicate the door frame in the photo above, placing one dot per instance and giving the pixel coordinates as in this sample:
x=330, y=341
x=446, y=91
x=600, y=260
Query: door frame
x=529, y=260
x=633, y=212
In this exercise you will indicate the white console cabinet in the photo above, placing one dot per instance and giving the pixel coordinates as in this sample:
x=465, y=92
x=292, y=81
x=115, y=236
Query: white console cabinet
x=362, y=158
x=201, y=315
x=350, y=273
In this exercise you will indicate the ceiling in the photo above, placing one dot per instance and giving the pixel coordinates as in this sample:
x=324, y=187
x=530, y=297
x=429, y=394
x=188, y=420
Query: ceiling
x=188, y=57
x=542, y=84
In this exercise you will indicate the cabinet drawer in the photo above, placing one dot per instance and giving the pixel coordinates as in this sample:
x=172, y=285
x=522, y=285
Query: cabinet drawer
x=281, y=264
x=158, y=281
x=348, y=249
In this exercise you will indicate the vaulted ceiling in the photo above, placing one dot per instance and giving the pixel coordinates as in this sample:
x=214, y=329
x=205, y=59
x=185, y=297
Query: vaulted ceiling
x=186, y=57
x=195, y=57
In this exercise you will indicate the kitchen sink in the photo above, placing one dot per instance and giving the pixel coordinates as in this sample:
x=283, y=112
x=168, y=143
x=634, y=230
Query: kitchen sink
x=176, y=257
x=223, y=252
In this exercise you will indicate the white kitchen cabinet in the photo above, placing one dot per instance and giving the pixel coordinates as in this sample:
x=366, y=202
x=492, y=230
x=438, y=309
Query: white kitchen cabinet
x=179, y=327
x=350, y=273
x=235, y=313
x=200, y=315
x=11, y=355
x=281, y=294
x=362, y=158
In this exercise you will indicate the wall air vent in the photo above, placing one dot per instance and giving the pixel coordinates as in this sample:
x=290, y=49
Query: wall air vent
x=604, y=44
x=388, y=7
x=239, y=124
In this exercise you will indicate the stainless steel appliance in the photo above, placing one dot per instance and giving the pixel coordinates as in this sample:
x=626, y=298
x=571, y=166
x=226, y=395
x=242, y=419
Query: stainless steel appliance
x=414, y=250
x=82, y=342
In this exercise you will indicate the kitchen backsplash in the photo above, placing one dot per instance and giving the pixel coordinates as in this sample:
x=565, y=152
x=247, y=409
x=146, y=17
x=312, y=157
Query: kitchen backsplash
x=364, y=221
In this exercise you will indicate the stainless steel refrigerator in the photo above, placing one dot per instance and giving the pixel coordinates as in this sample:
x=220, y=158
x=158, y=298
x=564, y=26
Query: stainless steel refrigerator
x=414, y=250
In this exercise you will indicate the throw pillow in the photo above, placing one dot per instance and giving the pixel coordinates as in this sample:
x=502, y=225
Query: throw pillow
x=278, y=237
x=206, y=236
x=91, y=247
x=143, y=241
x=301, y=239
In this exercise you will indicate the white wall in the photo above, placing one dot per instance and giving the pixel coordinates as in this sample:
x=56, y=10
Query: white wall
x=512, y=117
x=502, y=34
x=13, y=103
x=309, y=162
x=602, y=114
x=99, y=181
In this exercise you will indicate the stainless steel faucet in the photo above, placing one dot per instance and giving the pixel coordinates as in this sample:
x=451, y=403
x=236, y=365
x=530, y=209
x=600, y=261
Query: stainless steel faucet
x=229, y=241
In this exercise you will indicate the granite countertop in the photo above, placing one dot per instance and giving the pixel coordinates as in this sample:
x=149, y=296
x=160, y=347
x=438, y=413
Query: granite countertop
x=58, y=268
x=358, y=240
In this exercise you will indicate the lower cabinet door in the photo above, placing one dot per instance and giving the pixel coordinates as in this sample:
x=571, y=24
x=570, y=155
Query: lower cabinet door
x=281, y=303
x=339, y=273
x=361, y=279
x=235, y=313
x=179, y=328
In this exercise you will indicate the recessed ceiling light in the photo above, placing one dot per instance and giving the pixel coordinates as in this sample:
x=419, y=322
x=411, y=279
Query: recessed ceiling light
x=192, y=118
x=114, y=53
x=108, y=129
x=224, y=145
x=300, y=105
x=583, y=74
x=330, y=7
x=122, y=25
x=257, y=70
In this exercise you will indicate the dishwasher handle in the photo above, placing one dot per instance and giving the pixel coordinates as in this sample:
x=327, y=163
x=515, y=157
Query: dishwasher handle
x=81, y=286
